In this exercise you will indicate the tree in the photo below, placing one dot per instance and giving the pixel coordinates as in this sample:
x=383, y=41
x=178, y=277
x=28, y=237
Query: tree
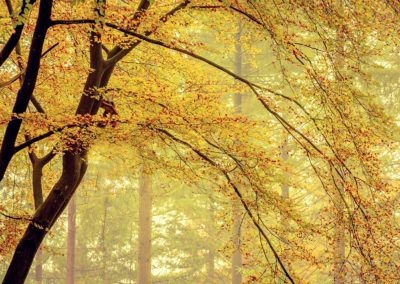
x=237, y=216
x=145, y=205
x=71, y=240
x=337, y=126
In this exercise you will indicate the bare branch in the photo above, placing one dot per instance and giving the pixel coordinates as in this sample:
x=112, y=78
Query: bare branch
x=15, y=217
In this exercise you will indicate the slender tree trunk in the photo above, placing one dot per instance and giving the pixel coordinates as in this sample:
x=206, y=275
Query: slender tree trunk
x=39, y=266
x=285, y=196
x=37, y=163
x=339, y=245
x=237, y=259
x=103, y=240
x=285, y=183
x=37, y=174
x=145, y=207
x=211, y=277
x=71, y=240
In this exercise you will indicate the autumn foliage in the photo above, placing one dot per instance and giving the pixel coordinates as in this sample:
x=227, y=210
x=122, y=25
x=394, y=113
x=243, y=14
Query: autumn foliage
x=283, y=108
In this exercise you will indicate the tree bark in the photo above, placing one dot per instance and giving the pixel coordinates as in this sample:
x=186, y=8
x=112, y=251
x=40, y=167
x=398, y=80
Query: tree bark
x=71, y=240
x=145, y=207
x=74, y=167
x=28, y=85
x=37, y=174
x=37, y=163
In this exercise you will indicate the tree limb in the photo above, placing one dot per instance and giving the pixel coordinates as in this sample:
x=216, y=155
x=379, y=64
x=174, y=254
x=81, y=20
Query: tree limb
x=14, y=38
x=205, y=158
x=22, y=73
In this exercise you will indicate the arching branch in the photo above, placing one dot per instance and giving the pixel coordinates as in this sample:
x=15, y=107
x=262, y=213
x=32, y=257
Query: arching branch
x=253, y=218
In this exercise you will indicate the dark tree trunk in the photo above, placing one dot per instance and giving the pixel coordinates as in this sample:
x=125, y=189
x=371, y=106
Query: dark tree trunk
x=74, y=163
x=74, y=167
x=28, y=85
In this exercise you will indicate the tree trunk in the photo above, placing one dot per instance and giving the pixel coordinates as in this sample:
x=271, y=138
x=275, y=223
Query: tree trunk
x=145, y=206
x=71, y=240
x=74, y=167
x=39, y=266
x=103, y=240
x=74, y=162
x=339, y=246
x=285, y=183
x=285, y=196
x=28, y=86
x=237, y=260
x=211, y=277
x=37, y=173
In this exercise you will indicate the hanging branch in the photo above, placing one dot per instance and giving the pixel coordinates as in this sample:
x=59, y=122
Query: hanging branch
x=208, y=160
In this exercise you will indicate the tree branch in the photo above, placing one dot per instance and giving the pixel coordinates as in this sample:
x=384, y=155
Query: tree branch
x=15, y=217
x=25, y=92
x=251, y=85
x=22, y=73
x=205, y=158
x=14, y=38
x=42, y=136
